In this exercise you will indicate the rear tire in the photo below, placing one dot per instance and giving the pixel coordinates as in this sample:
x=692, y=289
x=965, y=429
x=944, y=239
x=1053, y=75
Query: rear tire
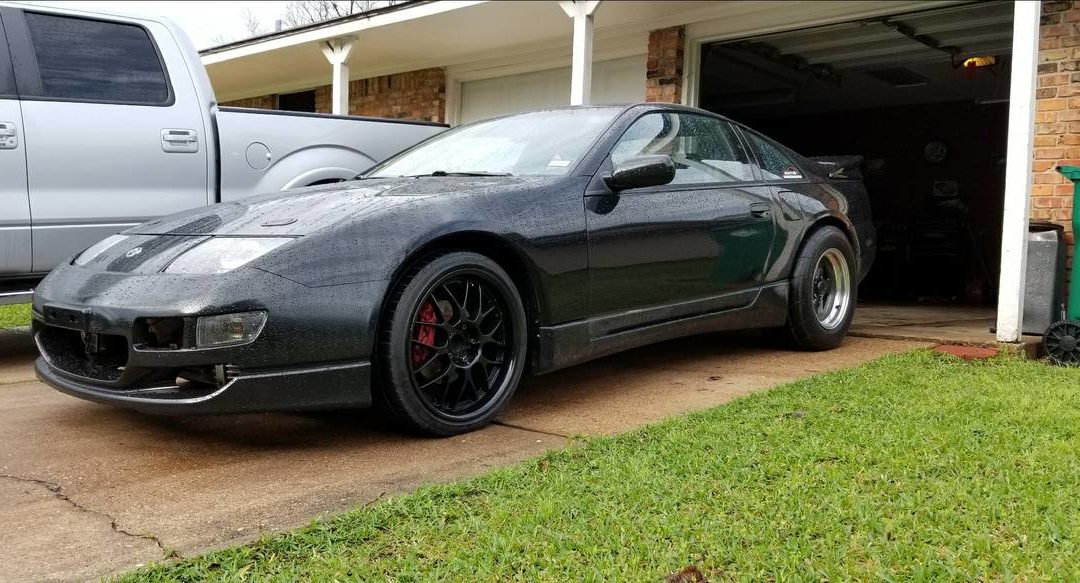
x=452, y=349
x=821, y=300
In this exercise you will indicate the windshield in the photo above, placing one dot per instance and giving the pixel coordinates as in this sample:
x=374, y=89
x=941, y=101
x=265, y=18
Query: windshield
x=543, y=143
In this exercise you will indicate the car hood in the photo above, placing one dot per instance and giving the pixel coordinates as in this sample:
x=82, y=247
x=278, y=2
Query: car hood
x=303, y=211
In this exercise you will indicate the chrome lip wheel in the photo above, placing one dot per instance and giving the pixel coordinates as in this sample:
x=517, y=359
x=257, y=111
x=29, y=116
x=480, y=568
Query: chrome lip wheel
x=459, y=350
x=831, y=289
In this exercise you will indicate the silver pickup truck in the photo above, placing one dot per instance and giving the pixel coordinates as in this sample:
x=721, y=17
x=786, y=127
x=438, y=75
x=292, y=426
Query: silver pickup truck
x=107, y=121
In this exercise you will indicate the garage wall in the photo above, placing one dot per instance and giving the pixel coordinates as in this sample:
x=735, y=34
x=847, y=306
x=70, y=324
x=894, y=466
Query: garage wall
x=1057, y=116
x=415, y=95
x=260, y=102
x=664, y=74
x=614, y=81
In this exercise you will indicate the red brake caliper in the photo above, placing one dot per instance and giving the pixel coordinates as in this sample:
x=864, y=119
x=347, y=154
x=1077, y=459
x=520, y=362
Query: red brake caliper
x=425, y=334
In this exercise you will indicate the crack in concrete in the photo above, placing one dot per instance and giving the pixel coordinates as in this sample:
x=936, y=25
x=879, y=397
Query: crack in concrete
x=374, y=500
x=57, y=492
x=529, y=429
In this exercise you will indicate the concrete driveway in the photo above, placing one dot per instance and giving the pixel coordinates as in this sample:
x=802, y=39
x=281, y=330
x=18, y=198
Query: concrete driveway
x=87, y=490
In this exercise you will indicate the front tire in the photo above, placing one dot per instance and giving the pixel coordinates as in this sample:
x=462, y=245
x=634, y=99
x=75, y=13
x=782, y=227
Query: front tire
x=453, y=345
x=823, y=292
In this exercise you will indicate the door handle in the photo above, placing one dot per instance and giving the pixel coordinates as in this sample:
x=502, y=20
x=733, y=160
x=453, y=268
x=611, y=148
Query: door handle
x=9, y=137
x=178, y=137
x=760, y=210
x=179, y=140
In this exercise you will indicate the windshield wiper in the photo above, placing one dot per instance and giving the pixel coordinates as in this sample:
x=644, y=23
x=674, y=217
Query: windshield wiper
x=463, y=173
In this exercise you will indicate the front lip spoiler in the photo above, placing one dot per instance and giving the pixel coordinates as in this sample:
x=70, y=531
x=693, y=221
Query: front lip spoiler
x=323, y=386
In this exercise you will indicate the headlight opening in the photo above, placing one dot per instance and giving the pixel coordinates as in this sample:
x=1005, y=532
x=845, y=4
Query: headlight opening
x=222, y=254
x=93, y=251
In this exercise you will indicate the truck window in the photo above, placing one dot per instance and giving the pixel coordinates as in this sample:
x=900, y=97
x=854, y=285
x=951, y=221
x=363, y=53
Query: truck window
x=95, y=60
x=7, y=75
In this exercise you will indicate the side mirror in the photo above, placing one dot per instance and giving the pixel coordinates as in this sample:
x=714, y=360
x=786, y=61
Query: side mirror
x=640, y=172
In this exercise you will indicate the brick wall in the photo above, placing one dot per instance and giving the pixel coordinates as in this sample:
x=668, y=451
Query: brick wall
x=322, y=100
x=664, y=65
x=418, y=95
x=260, y=102
x=1057, y=112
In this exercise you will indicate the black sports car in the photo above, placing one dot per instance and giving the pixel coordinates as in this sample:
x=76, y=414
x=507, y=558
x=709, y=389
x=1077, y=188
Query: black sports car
x=434, y=281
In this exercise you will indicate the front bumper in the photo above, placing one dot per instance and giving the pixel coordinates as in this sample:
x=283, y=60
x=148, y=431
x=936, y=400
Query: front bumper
x=313, y=353
x=330, y=386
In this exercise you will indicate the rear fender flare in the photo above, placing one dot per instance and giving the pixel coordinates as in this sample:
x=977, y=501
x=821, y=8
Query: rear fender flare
x=821, y=218
x=837, y=220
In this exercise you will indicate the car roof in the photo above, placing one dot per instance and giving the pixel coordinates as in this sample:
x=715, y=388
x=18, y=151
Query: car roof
x=621, y=108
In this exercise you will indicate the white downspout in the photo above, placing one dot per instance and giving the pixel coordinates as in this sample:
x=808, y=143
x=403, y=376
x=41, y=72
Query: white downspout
x=337, y=52
x=581, y=61
x=1014, y=228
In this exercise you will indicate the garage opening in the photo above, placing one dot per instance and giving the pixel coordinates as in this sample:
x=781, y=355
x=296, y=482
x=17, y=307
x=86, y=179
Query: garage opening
x=923, y=96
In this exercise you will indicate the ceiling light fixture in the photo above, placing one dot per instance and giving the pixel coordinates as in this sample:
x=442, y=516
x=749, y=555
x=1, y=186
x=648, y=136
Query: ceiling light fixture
x=976, y=62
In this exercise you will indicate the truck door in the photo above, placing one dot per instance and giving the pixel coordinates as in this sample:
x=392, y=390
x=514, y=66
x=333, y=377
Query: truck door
x=14, y=202
x=113, y=137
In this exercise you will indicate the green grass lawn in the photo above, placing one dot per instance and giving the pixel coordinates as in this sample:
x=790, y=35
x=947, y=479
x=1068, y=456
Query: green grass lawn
x=14, y=315
x=914, y=467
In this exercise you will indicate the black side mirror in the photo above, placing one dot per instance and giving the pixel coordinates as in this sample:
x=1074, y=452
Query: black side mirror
x=640, y=172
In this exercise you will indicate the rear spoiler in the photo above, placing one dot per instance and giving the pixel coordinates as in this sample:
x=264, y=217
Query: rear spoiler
x=840, y=167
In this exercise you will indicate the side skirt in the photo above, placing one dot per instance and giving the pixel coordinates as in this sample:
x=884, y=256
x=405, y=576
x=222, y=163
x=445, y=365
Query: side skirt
x=568, y=344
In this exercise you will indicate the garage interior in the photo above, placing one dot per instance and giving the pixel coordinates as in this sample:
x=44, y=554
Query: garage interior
x=923, y=96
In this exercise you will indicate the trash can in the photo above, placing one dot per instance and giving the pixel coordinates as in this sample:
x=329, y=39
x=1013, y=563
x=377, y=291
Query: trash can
x=1044, y=292
x=1061, y=341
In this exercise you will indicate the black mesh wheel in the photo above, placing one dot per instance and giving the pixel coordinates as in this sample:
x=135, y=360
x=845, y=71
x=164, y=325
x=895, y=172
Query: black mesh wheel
x=1062, y=342
x=453, y=345
x=458, y=353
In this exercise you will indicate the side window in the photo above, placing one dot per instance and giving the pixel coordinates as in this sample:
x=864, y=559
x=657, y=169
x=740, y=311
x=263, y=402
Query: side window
x=93, y=60
x=7, y=75
x=775, y=165
x=704, y=149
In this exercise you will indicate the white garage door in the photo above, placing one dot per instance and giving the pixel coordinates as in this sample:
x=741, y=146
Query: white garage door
x=615, y=81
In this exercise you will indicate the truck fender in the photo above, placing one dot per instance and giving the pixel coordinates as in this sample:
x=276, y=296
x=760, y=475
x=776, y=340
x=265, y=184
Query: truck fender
x=304, y=167
x=321, y=176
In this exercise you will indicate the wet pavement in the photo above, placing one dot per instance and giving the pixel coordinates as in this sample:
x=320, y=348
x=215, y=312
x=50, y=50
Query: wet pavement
x=87, y=490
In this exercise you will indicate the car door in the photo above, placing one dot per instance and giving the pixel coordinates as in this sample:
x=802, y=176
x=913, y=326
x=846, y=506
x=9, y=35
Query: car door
x=14, y=200
x=695, y=246
x=111, y=139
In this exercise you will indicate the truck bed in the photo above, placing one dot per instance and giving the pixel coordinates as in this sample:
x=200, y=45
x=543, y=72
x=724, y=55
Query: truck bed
x=268, y=150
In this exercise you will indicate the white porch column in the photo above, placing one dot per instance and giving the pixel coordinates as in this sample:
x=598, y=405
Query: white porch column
x=337, y=52
x=581, y=62
x=1014, y=229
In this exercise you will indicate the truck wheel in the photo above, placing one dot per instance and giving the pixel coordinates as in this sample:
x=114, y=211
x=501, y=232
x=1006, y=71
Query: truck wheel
x=821, y=302
x=453, y=348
